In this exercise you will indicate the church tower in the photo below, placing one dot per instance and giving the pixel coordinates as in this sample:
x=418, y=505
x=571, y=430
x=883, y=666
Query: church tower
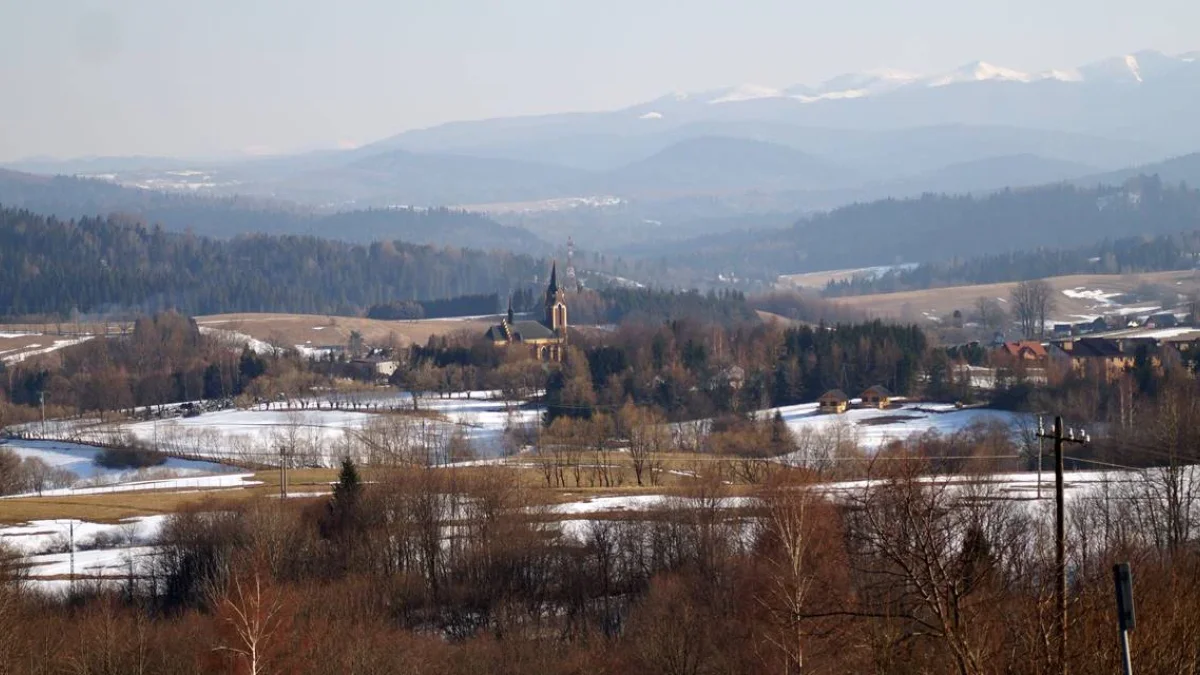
x=556, y=304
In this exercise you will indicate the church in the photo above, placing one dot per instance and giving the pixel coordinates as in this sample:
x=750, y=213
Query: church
x=546, y=339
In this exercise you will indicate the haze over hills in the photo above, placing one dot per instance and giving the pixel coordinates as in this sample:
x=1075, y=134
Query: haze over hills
x=877, y=128
x=718, y=163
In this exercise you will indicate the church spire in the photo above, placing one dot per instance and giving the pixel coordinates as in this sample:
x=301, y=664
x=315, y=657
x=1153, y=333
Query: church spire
x=553, y=288
x=510, y=311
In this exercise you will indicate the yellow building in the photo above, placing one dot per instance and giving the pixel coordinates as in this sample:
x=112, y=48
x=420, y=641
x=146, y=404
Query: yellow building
x=877, y=397
x=546, y=339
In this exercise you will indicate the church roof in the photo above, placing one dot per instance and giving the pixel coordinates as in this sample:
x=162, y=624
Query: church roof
x=521, y=330
x=531, y=330
x=552, y=289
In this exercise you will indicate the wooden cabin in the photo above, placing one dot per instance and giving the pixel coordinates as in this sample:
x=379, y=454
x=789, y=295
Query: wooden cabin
x=877, y=397
x=833, y=401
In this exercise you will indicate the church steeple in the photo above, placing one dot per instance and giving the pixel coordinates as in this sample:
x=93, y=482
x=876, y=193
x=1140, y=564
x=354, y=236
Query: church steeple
x=556, y=304
x=510, y=311
x=552, y=289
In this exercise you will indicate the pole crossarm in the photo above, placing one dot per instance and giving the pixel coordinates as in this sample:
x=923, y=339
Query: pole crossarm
x=1060, y=547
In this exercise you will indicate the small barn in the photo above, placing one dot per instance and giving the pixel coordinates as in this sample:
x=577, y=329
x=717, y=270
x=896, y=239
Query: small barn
x=877, y=397
x=833, y=401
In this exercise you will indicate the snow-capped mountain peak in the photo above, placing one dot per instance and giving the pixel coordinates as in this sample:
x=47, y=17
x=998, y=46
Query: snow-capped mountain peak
x=745, y=92
x=978, y=71
x=1125, y=70
x=1135, y=69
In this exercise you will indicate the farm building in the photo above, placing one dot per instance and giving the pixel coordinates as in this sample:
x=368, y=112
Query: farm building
x=877, y=397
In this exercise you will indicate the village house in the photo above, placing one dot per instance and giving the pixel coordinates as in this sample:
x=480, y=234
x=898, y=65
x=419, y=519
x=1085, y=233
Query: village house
x=546, y=339
x=1023, y=351
x=833, y=401
x=1098, y=357
x=876, y=397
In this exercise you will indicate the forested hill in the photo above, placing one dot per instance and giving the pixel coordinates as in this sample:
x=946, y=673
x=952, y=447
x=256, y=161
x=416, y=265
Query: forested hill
x=1122, y=256
x=69, y=197
x=941, y=227
x=49, y=265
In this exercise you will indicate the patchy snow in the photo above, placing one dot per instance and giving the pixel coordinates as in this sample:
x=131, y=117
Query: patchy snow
x=1084, y=293
x=641, y=503
x=1163, y=333
x=45, y=536
x=651, y=116
x=37, y=349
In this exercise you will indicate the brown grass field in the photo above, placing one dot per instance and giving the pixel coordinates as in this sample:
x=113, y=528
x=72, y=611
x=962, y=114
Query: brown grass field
x=317, y=330
x=112, y=507
x=911, y=305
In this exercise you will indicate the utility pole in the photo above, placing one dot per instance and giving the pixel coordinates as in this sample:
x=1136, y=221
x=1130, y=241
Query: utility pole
x=42, y=399
x=71, y=524
x=283, y=455
x=1060, y=537
x=1123, y=577
x=1041, y=443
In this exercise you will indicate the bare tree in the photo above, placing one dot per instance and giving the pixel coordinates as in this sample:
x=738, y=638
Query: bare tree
x=256, y=618
x=1032, y=303
x=991, y=315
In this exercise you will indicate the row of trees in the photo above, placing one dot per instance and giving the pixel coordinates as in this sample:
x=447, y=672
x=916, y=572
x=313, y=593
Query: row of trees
x=164, y=359
x=691, y=369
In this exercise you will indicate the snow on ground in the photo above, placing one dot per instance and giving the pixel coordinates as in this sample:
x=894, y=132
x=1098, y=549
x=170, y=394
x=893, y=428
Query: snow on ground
x=190, y=483
x=257, y=346
x=1084, y=293
x=19, y=355
x=256, y=434
x=108, y=551
x=873, y=428
x=52, y=536
x=638, y=503
x=80, y=460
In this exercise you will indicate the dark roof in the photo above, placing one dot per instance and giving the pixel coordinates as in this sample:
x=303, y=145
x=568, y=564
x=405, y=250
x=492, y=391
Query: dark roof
x=495, y=333
x=531, y=330
x=879, y=390
x=1096, y=348
x=835, y=394
x=552, y=289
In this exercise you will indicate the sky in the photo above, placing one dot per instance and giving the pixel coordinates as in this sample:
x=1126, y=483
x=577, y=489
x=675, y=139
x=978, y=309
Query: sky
x=229, y=77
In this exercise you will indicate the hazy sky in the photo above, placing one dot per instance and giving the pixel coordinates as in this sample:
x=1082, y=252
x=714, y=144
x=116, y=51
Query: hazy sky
x=215, y=77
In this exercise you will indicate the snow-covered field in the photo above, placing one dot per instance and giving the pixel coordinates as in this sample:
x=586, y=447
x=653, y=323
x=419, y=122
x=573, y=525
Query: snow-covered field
x=871, y=428
x=79, y=460
x=315, y=436
x=186, y=484
x=101, y=550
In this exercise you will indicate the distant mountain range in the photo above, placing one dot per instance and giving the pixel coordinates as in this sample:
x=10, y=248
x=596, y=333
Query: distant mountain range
x=69, y=198
x=681, y=165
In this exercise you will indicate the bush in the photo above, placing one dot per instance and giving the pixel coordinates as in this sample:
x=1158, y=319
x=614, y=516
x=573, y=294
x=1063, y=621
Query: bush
x=129, y=458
